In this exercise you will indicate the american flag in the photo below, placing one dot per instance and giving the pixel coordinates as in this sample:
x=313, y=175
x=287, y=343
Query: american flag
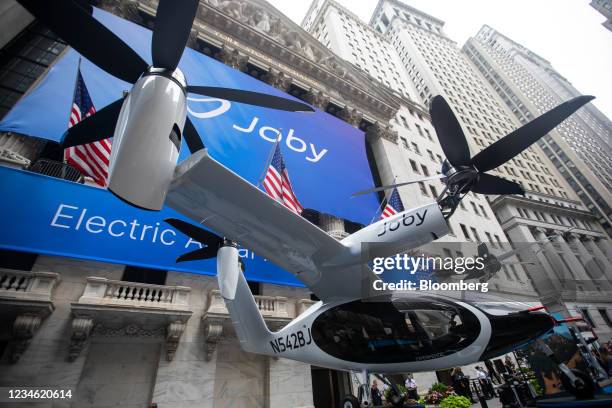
x=277, y=184
x=90, y=159
x=394, y=205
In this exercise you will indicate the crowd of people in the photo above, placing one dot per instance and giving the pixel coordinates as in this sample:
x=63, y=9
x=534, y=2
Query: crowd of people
x=486, y=378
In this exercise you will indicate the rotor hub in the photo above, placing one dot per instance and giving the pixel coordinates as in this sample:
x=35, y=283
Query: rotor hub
x=459, y=177
x=175, y=75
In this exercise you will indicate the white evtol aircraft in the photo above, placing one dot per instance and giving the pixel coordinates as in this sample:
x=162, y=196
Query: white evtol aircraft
x=381, y=334
x=343, y=330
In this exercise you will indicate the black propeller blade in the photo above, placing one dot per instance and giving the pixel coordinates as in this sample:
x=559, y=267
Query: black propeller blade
x=74, y=24
x=470, y=172
x=514, y=143
x=204, y=253
x=450, y=135
x=172, y=27
x=489, y=184
x=100, y=125
x=204, y=237
x=252, y=98
x=375, y=189
x=191, y=136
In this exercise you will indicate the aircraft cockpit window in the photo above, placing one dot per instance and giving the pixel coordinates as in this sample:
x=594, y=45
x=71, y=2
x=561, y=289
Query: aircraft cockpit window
x=395, y=331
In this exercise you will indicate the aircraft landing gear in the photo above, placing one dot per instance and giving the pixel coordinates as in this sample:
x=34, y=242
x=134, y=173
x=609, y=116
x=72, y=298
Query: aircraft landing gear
x=364, y=395
x=350, y=401
x=363, y=399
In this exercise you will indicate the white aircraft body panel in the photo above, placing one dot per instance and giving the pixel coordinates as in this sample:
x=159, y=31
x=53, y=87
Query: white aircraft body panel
x=143, y=157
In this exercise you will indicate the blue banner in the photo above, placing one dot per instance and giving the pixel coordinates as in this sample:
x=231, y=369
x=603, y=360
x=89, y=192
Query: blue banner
x=325, y=158
x=56, y=217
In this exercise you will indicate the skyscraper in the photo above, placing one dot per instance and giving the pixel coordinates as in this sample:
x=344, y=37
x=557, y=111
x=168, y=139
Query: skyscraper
x=434, y=64
x=605, y=8
x=528, y=84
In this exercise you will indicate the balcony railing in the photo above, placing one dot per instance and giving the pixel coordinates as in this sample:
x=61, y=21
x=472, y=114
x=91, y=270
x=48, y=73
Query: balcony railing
x=55, y=169
x=113, y=306
x=270, y=306
x=27, y=285
x=120, y=293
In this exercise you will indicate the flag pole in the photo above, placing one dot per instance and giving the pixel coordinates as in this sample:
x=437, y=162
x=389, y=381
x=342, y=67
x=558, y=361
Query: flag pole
x=269, y=159
x=378, y=210
x=76, y=80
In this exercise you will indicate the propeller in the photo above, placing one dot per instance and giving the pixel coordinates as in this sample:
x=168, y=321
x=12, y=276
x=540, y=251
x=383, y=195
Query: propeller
x=405, y=183
x=463, y=173
x=173, y=23
x=252, y=98
x=211, y=241
x=101, y=125
x=73, y=21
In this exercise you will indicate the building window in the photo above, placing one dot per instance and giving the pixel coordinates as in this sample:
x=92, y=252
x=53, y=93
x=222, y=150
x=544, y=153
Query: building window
x=21, y=261
x=419, y=130
x=604, y=314
x=255, y=288
x=587, y=316
x=144, y=275
x=474, y=208
x=24, y=60
x=475, y=234
x=404, y=142
x=423, y=189
x=414, y=166
x=465, y=232
x=434, y=192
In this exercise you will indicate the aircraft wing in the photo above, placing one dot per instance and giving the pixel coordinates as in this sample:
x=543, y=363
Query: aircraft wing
x=216, y=197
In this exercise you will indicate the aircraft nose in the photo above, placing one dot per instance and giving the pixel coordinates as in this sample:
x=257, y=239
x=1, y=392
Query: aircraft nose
x=511, y=331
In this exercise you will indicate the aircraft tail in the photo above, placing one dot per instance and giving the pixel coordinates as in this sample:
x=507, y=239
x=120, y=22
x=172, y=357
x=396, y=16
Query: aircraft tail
x=248, y=322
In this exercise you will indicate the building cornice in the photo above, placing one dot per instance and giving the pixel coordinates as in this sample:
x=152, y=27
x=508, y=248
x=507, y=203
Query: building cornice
x=501, y=201
x=406, y=7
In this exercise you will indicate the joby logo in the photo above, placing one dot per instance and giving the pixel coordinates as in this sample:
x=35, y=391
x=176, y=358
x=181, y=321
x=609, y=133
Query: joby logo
x=312, y=153
x=220, y=110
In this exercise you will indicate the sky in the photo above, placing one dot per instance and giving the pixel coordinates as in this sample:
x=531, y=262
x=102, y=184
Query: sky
x=568, y=33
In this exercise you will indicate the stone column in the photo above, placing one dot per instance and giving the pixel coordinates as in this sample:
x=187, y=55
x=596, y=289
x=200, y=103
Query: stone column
x=334, y=226
x=606, y=247
x=591, y=264
x=558, y=272
x=599, y=256
x=577, y=270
